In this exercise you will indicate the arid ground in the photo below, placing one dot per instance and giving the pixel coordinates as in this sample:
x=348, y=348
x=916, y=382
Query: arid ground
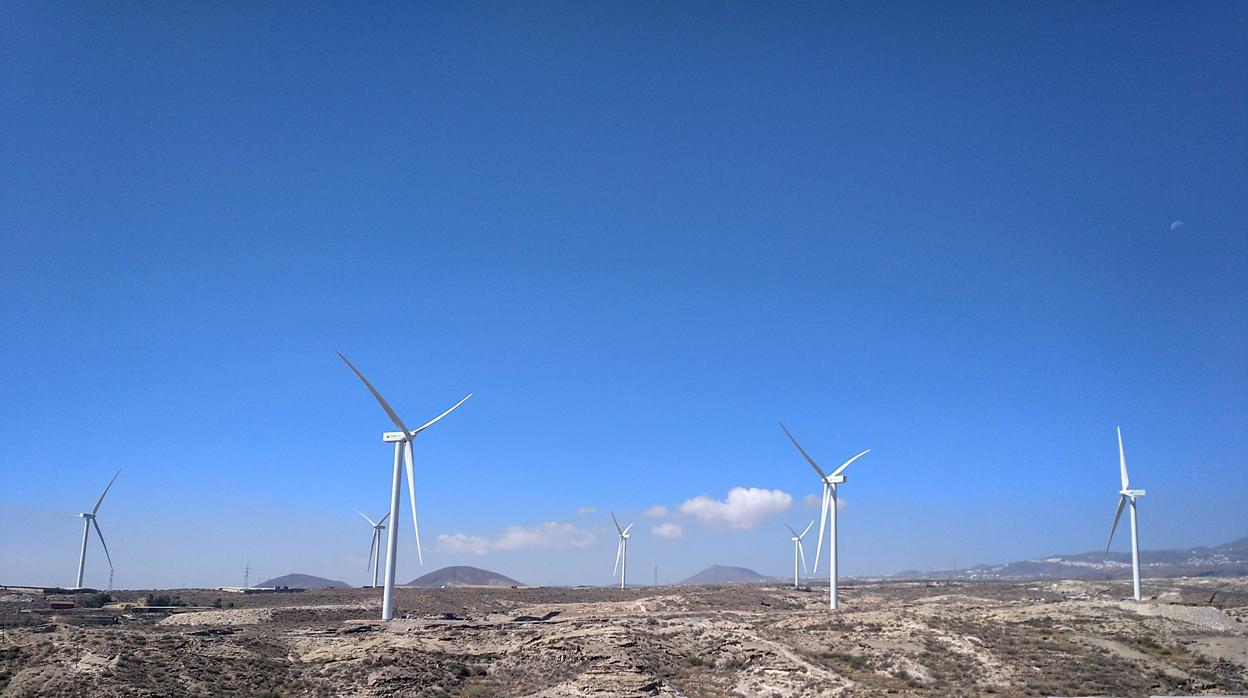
x=914, y=638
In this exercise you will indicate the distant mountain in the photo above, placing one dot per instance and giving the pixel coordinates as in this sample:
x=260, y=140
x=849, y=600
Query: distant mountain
x=720, y=574
x=1229, y=560
x=304, y=581
x=463, y=576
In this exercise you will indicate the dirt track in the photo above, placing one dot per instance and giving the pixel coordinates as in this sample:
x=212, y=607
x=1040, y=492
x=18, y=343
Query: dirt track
x=913, y=638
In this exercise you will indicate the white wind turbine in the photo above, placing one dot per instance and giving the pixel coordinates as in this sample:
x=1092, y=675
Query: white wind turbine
x=621, y=550
x=374, y=550
x=402, y=441
x=1124, y=495
x=828, y=513
x=797, y=549
x=88, y=520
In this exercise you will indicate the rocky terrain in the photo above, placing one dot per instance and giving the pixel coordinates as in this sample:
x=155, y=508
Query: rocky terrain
x=912, y=638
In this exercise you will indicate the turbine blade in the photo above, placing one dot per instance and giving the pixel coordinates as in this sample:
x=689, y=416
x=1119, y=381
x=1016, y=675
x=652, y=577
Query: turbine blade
x=619, y=550
x=106, y=489
x=807, y=529
x=802, y=555
x=411, y=494
x=805, y=455
x=617, y=524
x=384, y=405
x=627, y=529
x=370, y=521
x=791, y=530
x=101, y=535
x=845, y=465
x=433, y=421
x=1122, y=461
x=1122, y=502
x=823, y=519
x=383, y=519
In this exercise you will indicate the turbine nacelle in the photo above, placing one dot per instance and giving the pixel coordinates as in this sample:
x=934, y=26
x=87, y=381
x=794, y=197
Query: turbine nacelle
x=1131, y=493
x=834, y=479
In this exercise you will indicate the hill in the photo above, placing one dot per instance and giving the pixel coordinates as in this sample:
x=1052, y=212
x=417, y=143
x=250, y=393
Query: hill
x=1228, y=560
x=463, y=576
x=303, y=581
x=721, y=574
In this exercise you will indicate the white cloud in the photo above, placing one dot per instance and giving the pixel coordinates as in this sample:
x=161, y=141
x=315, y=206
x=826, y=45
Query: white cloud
x=745, y=507
x=460, y=543
x=668, y=530
x=657, y=511
x=812, y=501
x=545, y=535
x=551, y=534
x=587, y=510
x=1175, y=225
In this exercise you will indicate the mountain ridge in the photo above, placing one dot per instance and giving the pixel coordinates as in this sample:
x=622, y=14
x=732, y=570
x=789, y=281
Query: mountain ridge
x=1226, y=560
x=725, y=574
x=463, y=575
x=303, y=581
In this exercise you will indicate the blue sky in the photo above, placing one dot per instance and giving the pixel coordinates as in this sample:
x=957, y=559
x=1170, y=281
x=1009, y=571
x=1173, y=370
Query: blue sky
x=973, y=238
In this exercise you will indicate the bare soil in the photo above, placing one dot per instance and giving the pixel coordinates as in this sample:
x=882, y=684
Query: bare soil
x=908, y=638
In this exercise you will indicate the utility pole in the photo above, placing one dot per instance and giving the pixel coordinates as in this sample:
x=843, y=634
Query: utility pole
x=656, y=575
x=247, y=576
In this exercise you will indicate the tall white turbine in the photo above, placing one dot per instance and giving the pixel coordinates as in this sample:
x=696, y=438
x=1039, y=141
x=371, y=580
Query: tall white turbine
x=374, y=550
x=828, y=513
x=797, y=549
x=621, y=551
x=88, y=520
x=402, y=440
x=1124, y=495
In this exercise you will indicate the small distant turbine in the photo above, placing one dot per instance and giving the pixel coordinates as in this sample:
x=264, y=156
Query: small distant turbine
x=374, y=550
x=828, y=514
x=621, y=550
x=797, y=549
x=402, y=441
x=88, y=520
x=1124, y=495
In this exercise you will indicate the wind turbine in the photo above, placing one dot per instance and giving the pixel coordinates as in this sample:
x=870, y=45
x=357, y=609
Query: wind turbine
x=797, y=549
x=374, y=549
x=828, y=513
x=1124, y=495
x=88, y=520
x=621, y=550
x=402, y=440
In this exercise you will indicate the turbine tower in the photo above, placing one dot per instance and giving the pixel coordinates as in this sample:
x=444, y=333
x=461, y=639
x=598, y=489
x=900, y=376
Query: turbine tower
x=797, y=549
x=88, y=520
x=1124, y=495
x=374, y=549
x=828, y=513
x=402, y=440
x=621, y=550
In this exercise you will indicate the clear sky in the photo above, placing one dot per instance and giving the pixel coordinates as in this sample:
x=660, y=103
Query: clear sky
x=972, y=237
